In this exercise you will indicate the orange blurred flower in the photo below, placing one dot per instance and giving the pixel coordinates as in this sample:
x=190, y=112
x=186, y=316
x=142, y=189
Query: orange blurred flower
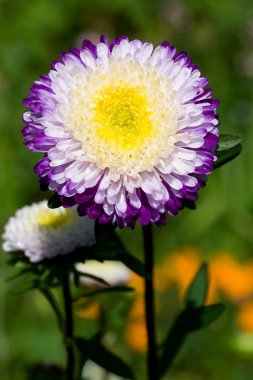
x=136, y=336
x=135, y=332
x=90, y=312
x=180, y=267
x=244, y=316
x=231, y=277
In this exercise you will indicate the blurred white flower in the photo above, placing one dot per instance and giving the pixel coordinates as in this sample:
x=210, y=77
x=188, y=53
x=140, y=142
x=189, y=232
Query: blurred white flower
x=43, y=233
x=113, y=272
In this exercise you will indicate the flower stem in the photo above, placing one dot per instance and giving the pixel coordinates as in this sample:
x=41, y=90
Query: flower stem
x=68, y=329
x=149, y=301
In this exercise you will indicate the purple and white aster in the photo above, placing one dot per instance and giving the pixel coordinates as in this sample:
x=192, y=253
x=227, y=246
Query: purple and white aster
x=129, y=132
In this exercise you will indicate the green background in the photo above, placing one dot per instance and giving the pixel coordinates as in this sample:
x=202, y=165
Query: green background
x=218, y=35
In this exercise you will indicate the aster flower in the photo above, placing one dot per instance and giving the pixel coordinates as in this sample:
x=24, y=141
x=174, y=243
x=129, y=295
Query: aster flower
x=112, y=272
x=129, y=132
x=43, y=233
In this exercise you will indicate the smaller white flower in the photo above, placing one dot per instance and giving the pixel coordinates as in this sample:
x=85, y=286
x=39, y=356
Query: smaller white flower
x=42, y=233
x=113, y=272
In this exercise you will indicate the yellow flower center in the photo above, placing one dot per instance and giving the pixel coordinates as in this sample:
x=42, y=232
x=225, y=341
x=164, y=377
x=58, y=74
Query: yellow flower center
x=122, y=116
x=52, y=218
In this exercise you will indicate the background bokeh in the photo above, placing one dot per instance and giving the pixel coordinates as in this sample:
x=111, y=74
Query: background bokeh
x=218, y=35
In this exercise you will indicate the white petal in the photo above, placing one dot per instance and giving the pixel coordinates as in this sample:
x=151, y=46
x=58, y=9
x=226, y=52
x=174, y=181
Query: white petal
x=113, y=191
x=88, y=59
x=121, y=204
x=134, y=200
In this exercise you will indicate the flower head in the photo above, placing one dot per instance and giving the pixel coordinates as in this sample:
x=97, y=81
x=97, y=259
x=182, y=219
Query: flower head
x=43, y=233
x=128, y=132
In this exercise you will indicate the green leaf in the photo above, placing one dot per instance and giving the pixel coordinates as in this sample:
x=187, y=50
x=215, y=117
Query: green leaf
x=22, y=289
x=86, y=349
x=200, y=317
x=54, y=201
x=228, y=148
x=113, y=289
x=103, y=357
x=93, y=277
x=46, y=291
x=17, y=275
x=197, y=291
x=134, y=264
x=189, y=320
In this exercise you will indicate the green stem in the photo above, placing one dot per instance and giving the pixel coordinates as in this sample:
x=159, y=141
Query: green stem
x=68, y=328
x=149, y=301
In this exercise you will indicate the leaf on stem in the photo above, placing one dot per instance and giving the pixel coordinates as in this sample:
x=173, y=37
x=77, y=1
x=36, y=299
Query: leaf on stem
x=114, y=289
x=200, y=317
x=194, y=316
x=22, y=288
x=91, y=276
x=189, y=320
x=197, y=291
x=134, y=264
x=103, y=357
x=228, y=148
x=86, y=348
x=46, y=291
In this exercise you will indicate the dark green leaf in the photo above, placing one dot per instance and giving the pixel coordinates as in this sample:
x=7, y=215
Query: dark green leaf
x=76, y=278
x=93, y=277
x=22, y=289
x=201, y=317
x=113, y=289
x=170, y=348
x=189, y=320
x=17, y=275
x=197, y=291
x=228, y=148
x=87, y=348
x=112, y=363
x=104, y=358
x=54, y=201
x=46, y=291
x=134, y=264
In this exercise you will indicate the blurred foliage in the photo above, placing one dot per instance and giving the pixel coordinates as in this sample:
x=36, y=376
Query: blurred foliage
x=218, y=35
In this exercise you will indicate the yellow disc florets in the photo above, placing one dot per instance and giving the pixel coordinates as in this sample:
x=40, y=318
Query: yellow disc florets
x=122, y=117
x=52, y=218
